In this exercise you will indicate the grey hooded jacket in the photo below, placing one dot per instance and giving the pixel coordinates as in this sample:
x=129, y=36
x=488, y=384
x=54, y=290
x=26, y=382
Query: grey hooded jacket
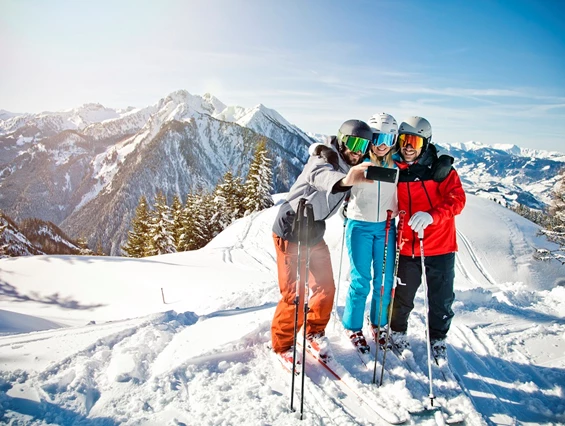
x=317, y=184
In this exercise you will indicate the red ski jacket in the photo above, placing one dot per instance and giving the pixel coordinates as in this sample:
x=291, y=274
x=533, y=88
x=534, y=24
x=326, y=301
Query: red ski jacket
x=417, y=191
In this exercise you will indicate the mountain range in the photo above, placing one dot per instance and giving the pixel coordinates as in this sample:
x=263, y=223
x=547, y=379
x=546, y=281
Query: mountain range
x=85, y=169
x=35, y=237
x=507, y=173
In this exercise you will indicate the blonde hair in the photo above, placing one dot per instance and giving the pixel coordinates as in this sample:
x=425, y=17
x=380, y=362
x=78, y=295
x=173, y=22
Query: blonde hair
x=385, y=161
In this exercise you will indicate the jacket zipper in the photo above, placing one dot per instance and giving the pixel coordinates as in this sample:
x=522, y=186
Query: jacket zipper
x=427, y=195
x=379, y=202
x=409, y=216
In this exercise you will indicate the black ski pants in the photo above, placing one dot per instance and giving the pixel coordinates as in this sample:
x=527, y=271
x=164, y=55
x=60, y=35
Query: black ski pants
x=440, y=274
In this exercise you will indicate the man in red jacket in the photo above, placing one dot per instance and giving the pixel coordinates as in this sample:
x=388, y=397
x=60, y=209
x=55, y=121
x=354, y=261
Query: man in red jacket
x=430, y=191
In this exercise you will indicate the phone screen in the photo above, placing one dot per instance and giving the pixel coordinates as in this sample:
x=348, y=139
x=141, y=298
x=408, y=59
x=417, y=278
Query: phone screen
x=382, y=174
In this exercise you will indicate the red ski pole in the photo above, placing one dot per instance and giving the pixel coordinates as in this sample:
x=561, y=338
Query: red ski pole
x=399, y=244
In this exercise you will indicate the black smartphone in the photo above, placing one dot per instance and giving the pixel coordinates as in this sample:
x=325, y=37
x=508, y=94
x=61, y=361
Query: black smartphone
x=382, y=174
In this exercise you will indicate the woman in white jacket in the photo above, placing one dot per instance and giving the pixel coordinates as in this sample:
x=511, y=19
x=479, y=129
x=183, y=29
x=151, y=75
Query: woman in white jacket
x=365, y=237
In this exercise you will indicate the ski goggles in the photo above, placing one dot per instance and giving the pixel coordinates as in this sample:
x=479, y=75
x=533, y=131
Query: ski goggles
x=354, y=143
x=416, y=141
x=387, y=139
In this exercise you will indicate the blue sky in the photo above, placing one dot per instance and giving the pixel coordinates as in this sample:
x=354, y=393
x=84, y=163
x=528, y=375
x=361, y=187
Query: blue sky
x=483, y=70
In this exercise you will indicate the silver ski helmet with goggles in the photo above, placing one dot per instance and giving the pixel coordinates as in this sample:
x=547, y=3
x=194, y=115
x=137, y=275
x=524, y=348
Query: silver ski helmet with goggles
x=355, y=135
x=415, y=131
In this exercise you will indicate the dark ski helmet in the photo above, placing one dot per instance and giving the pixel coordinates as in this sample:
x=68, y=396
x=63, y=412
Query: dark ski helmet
x=355, y=128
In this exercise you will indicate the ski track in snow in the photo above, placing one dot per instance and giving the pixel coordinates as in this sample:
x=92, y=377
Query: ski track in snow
x=476, y=262
x=248, y=247
x=474, y=357
x=529, y=400
x=124, y=370
x=131, y=371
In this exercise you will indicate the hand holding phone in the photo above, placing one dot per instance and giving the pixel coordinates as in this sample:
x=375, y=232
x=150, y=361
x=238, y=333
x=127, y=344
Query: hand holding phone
x=382, y=174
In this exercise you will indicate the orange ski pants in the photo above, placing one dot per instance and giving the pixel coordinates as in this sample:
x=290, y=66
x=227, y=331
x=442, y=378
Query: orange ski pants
x=320, y=283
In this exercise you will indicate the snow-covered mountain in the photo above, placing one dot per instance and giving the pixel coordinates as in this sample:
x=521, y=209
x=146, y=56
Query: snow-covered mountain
x=55, y=122
x=507, y=173
x=183, y=339
x=512, y=150
x=49, y=238
x=85, y=169
x=5, y=115
x=35, y=237
x=12, y=241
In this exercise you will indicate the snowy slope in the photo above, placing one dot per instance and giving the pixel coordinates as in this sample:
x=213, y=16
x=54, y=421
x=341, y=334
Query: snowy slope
x=183, y=338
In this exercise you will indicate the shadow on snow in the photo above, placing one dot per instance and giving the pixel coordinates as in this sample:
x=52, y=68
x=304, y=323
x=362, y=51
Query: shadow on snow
x=50, y=413
x=9, y=292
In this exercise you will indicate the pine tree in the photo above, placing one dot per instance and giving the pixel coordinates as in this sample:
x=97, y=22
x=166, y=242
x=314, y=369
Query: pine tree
x=557, y=209
x=555, y=227
x=138, y=243
x=178, y=225
x=258, y=183
x=206, y=224
x=3, y=247
x=228, y=198
x=189, y=222
x=83, y=247
x=99, y=249
x=161, y=227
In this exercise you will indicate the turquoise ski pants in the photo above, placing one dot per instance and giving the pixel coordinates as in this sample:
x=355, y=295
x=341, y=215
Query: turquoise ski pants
x=365, y=245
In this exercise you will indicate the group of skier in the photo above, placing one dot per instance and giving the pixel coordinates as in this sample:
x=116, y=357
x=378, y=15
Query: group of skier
x=426, y=187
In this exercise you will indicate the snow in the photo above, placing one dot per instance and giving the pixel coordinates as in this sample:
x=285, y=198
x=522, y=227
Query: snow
x=511, y=149
x=90, y=113
x=67, y=149
x=183, y=338
x=23, y=140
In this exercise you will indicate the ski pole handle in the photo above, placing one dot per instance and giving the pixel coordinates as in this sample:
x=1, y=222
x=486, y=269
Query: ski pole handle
x=388, y=219
x=400, y=228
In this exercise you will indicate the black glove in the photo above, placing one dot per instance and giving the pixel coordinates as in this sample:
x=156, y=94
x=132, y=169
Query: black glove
x=327, y=154
x=343, y=210
x=441, y=167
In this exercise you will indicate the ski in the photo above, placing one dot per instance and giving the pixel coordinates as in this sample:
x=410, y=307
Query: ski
x=288, y=365
x=364, y=355
x=448, y=416
x=413, y=406
x=340, y=376
x=449, y=376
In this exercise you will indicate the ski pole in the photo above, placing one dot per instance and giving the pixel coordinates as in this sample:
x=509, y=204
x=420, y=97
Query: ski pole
x=387, y=229
x=399, y=245
x=336, y=297
x=309, y=222
x=298, y=224
x=426, y=310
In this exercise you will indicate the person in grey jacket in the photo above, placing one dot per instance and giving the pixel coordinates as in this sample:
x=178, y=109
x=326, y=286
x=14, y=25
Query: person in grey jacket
x=324, y=182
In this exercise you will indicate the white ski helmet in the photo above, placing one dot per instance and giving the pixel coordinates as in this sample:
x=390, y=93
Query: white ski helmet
x=383, y=123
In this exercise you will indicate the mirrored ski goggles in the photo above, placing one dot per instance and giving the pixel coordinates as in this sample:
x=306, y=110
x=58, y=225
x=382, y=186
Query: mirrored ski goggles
x=416, y=141
x=387, y=139
x=354, y=143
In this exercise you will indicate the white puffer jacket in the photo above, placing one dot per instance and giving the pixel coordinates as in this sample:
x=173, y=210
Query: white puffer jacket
x=369, y=202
